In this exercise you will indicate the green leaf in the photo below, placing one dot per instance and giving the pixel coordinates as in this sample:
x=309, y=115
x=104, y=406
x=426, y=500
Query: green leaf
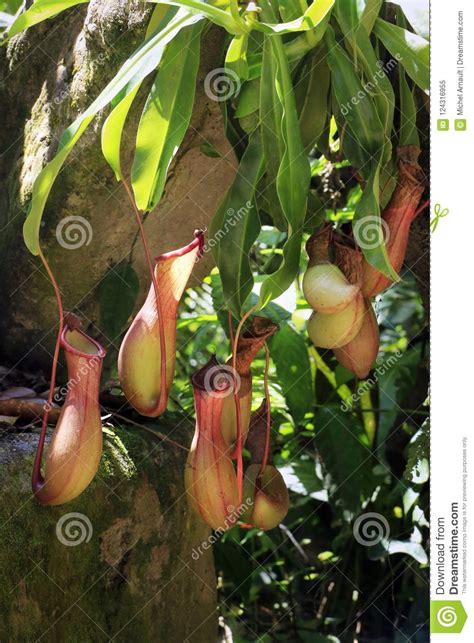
x=279, y=281
x=356, y=105
x=367, y=226
x=314, y=111
x=417, y=467
x=203, y=9
x=300, y=477
x=396, y=377
x=376, y=83
x=289, y=9
x=289, y=352
x=345, y=458
x=117, y=294
x=312, y=17
x=411, y=547
x=367, y=141
x=248, y=99
x=411, y=50
x=294, y=173
x=39, y=11
x=387, y=182
x=166, y=115
x=271, y=115
x=112, y=129
x=236, y=56
x=138, y=66
x=273, y=311
x=369, y=14
x=235, y=227
x=408, y=134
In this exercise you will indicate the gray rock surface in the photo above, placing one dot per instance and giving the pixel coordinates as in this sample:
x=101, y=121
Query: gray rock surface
x=49, y=75
x=116, y=563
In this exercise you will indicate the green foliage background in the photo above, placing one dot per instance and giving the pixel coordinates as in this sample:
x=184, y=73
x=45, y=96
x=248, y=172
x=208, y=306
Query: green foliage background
x=347, y=449
x=311, y=575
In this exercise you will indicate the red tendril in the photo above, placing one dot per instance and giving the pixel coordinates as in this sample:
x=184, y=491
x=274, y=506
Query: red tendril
x=268, y=411
x=37, y=478
x=151, y=268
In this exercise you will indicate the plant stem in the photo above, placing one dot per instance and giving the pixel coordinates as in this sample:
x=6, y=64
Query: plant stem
x=37, y=478
x=151, y=269
x=240, y=467
x=268, y=410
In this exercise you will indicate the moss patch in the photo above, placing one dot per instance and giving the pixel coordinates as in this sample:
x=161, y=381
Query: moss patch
x=114, y=562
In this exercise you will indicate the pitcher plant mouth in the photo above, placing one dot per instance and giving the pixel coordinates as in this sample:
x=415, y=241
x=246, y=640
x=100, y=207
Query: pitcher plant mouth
x=76, y=341
x=147, y=355
x=198, y=242
x=210, y=479
x=249, y=343
x=74, y=454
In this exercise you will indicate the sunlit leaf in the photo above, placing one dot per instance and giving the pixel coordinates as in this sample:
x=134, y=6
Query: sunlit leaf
x=39, y=11
x=166, y=115
x=138, y=66
x=294, y=174
x=311, y=18
x=112, y=129
x=411, y=50
x=204, y=9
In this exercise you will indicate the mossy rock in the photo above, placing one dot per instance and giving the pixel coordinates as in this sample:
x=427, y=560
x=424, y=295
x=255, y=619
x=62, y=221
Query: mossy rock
x=51, y=73
x=115, y=563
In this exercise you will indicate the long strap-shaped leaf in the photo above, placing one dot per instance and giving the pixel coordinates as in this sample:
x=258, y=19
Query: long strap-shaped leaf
x=112, y=129
x=166, y=116
x=214, y=14
x=356, y=104
x=349, y=15
x=294, y=174
x=271, y=115
x=235, y=227
x=236, y=56
x=369, y=14
x=39, y=11
x=312, y=17
x=366, y=130
x=367, y=225
x=408, y=133
x=412, y=50
x=140, y=64
x=314, y=109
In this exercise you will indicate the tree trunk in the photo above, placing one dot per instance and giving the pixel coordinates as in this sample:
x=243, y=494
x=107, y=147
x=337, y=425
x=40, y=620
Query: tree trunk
x=123, y=561
x=51, y=73
x=136, y=578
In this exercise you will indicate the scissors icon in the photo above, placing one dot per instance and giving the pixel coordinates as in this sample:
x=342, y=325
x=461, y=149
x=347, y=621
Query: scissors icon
x=439, y=214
